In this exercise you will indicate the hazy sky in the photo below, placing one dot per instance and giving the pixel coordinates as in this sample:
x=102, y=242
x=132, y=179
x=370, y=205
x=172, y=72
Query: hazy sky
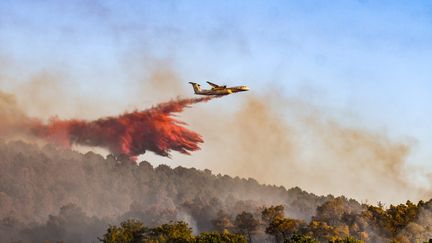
x=370, y=59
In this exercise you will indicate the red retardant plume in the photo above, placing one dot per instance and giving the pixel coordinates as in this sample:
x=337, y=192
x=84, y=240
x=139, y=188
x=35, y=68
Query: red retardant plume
x=130, y=134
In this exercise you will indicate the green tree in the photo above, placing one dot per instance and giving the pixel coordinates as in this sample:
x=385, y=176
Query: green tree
x=379, y=220
x=246, y=224
x=220, y=238
x=269, y=214
x=401, y=215
x=347, y=239
x=178, y=232
x=133, y=231
x=321, y=230
x=284, y=228
x=277, y=225
x=222, y=222
x=300, y=239
x=332, y=211
x=130, y=231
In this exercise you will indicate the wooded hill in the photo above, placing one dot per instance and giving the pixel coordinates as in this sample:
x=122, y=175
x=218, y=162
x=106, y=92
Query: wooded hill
x=55, y=194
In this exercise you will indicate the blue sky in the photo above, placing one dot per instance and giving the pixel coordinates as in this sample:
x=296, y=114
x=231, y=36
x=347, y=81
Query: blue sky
x=368, y=58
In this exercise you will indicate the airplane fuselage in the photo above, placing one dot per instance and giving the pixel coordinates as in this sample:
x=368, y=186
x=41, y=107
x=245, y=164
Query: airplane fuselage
x=218, y=91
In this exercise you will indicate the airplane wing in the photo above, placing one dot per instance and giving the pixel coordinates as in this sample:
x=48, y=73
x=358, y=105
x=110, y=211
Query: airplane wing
x=214, y=85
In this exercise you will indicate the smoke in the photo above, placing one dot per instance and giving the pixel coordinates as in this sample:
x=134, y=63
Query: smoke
x=12, y=119
x=8, y=111
x=289, y=142
x=129, y=134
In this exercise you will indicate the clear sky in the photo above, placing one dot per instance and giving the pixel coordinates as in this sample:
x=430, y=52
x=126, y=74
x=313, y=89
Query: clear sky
x=368, y=58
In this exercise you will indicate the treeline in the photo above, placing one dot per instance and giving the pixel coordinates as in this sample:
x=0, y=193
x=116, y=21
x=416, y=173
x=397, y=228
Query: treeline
x=339, y=219
x=133, y=231
x=52, y=194
x=335, y=221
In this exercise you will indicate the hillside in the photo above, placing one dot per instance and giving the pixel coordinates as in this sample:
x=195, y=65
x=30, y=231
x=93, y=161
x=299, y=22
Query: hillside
x=57, y=194
x=39, y=184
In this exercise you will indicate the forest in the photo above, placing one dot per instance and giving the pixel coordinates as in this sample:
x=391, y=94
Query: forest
x=51, y=194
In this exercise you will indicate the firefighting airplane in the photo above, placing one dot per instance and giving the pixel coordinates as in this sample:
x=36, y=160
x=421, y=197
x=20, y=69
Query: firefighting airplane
x=217, y=89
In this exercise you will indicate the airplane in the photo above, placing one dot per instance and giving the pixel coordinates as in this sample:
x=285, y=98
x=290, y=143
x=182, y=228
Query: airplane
x=217, y=90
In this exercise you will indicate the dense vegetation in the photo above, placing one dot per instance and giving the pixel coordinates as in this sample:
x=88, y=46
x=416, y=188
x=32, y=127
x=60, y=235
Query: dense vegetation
x=60, y=195
x=135, y=231
x=335, y=222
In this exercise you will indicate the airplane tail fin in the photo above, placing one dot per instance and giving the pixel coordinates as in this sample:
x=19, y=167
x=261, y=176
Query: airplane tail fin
x=196, y=87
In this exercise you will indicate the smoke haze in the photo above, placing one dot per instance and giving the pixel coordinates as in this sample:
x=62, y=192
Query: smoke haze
x=289, y=142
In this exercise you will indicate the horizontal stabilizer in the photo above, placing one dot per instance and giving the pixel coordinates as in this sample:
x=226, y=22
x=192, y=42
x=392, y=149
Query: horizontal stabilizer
x=196, y=87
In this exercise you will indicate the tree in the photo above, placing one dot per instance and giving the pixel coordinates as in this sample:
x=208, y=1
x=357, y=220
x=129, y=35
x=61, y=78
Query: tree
x=347, y=239
x=130, y=231
x=220, y=238
x=133, y=231
x=379, y=220
x=246, y=224
x=178, y=232
x=269, y=214
x=402, y=215
x=332, y=211
x=321, y=230
x=277, y=225
x=300, y=239
x=222, y=222
x=283, y=228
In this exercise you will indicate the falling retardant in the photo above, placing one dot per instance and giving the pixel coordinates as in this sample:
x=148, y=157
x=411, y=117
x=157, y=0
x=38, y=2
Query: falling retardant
x=129, y=134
